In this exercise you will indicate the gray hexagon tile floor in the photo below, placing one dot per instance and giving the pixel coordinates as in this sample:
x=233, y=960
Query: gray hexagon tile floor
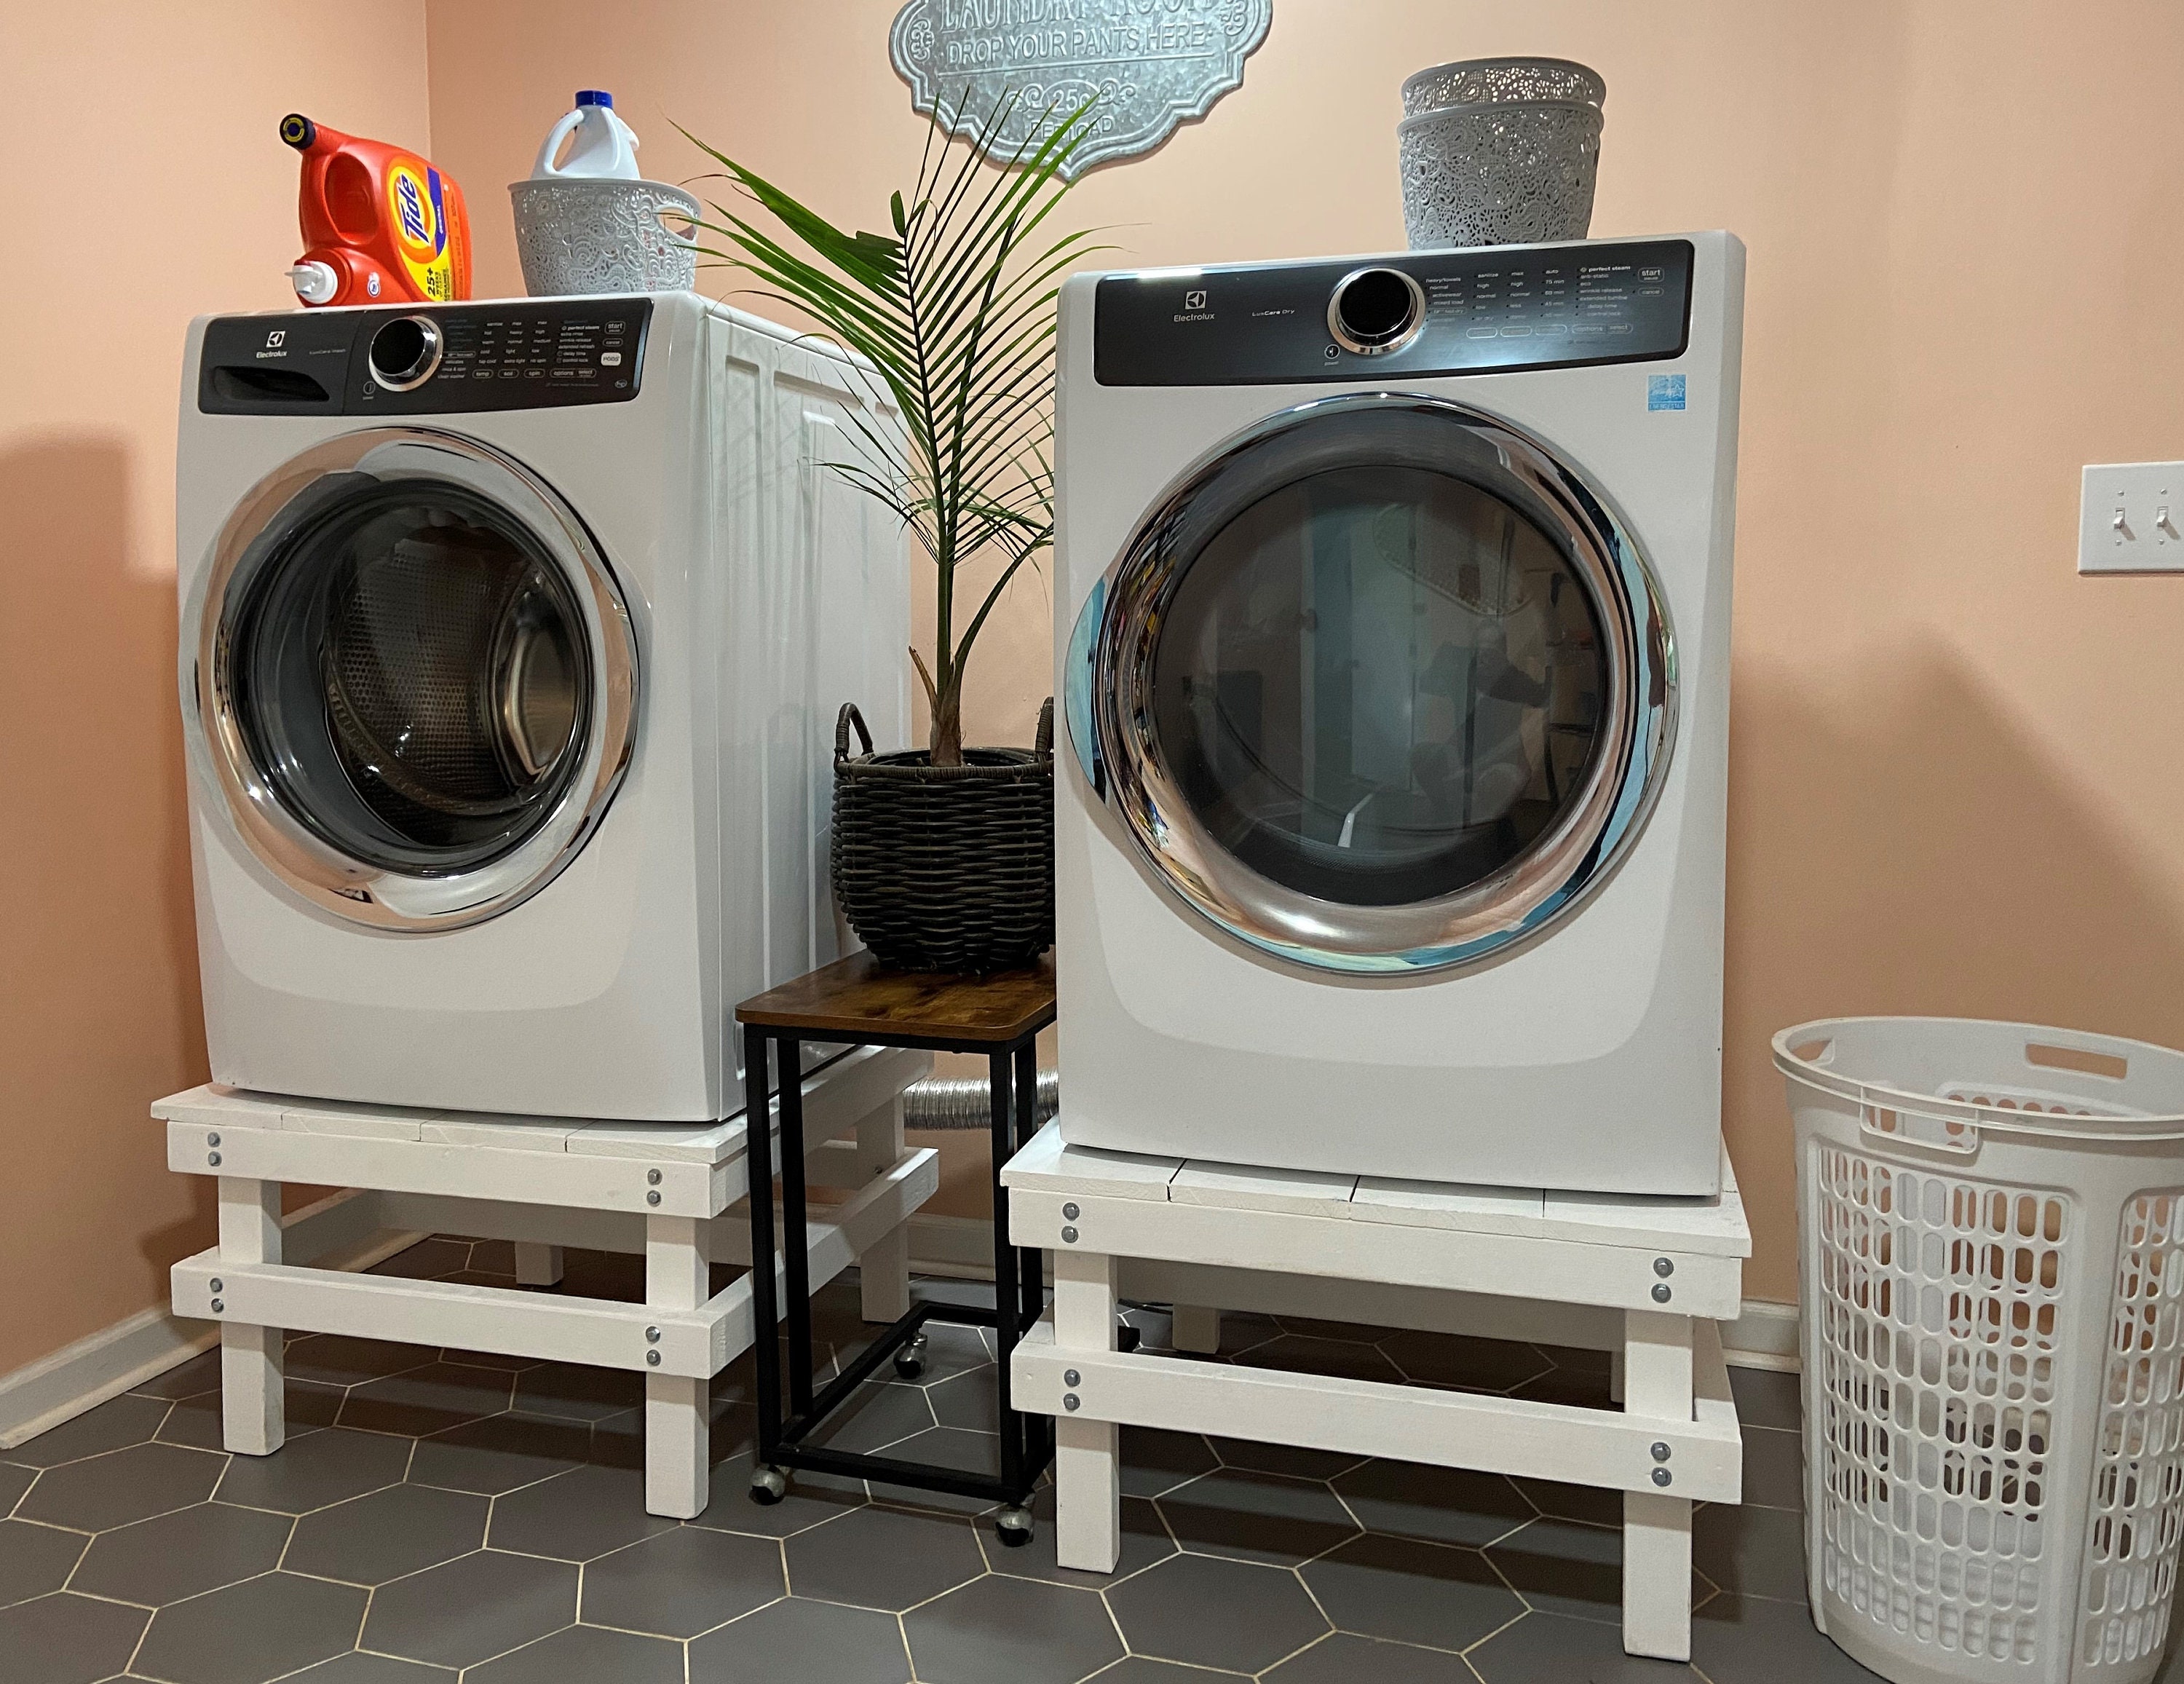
x=441, y=1517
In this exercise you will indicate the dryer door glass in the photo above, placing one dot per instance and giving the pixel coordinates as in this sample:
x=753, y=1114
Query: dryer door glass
x=1378, y=685
x=413, y=678
x=1382, y=684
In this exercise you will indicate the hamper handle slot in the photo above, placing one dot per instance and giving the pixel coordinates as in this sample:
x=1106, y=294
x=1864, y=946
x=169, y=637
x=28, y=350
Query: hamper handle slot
x=2081, y=1060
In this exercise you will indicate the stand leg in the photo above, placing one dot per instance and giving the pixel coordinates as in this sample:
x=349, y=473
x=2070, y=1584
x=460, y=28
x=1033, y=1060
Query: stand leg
x=1196, y=1329
x=758, y=1165
x=1657, y=1528
x=254, y=1407
x=1007, y=1286
x=1088, y=1489
x=795, y=1257
x=883, y=1270
x=676, y=1439
x=538, y=1264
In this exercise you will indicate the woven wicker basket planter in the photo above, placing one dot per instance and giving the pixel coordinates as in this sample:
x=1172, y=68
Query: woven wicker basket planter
x=945, y=867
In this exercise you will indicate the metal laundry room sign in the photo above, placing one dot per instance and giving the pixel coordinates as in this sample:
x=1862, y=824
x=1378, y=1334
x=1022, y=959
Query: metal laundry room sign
x=1154, y=65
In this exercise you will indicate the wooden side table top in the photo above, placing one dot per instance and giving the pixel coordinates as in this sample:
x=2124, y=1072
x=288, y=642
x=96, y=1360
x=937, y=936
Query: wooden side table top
x=854, y=999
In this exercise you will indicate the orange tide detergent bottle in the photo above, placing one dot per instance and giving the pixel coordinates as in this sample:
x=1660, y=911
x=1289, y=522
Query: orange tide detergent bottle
x=381, y=225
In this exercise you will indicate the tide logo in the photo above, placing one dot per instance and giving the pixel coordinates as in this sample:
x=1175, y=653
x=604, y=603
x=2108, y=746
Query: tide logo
x=413, y=218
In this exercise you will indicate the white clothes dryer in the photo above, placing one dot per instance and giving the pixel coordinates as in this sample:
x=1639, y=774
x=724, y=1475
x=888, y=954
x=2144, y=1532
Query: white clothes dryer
x=511, y=635
x=1393, y=629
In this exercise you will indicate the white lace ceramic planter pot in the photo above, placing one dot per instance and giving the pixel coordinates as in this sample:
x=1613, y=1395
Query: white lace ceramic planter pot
x=603, y=236
x=1500, y=151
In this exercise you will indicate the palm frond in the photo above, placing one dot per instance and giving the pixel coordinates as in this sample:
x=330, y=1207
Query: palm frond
x=953, y=310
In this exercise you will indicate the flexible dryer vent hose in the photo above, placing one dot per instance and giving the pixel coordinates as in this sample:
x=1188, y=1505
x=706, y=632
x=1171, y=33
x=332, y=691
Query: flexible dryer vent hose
x=967, y=1102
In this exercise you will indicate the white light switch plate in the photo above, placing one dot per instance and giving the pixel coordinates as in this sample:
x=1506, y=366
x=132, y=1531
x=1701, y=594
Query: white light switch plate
x=2131, y=518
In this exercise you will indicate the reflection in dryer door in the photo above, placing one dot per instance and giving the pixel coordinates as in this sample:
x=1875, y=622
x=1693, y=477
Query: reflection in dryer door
x=1378, y=685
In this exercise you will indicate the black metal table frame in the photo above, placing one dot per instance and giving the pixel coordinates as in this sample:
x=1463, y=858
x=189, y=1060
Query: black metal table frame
x=1027, y=1441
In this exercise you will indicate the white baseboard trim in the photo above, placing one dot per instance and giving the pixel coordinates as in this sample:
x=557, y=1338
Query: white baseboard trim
x=334, y=1233
x=1765, y=1336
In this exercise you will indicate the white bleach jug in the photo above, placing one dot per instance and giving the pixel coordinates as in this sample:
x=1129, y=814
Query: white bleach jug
x=604, y=146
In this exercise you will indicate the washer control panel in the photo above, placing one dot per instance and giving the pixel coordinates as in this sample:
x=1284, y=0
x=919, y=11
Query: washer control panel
x=1488, y=309
x=426, y=361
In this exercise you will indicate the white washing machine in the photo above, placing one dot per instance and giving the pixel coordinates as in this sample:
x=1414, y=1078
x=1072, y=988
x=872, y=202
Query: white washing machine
x=1394, y=622
x=512, y=636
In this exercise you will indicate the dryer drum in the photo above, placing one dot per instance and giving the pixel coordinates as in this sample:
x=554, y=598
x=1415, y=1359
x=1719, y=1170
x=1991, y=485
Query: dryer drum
x=1381, y=686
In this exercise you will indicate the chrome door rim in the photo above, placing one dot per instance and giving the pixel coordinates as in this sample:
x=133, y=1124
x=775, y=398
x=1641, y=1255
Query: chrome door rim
x=1107, y=691
x=221, y=757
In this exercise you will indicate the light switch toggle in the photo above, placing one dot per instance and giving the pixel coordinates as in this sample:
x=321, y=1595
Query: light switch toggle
x=2128, y=518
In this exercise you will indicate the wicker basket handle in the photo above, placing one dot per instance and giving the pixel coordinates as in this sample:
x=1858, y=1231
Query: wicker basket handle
x=1044, y=743
x=843, y=721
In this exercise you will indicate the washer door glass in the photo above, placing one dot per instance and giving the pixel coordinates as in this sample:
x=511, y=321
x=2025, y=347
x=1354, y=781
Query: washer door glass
x=1381, y=685
x=412, y=675
x=1378, y=685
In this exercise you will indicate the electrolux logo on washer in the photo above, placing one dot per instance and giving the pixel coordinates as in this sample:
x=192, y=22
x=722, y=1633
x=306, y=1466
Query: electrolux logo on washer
x=1194, y=306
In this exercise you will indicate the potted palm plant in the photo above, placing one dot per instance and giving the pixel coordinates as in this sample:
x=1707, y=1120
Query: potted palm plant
x=942, y=856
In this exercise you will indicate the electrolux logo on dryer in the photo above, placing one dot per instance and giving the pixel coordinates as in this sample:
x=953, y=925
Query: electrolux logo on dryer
x=1194, y=307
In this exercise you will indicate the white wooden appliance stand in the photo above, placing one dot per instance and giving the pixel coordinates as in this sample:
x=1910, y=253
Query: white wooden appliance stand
x=1645, y=1279
x=660, y=1189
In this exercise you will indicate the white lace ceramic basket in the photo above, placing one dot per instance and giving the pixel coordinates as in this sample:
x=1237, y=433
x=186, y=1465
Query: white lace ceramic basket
x=582, y=234
x=1500, y=151
x=1990, y=1234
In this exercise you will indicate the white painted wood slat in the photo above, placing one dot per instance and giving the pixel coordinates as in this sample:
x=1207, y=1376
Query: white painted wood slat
x=1373, y=1418
x=1229, y=1186
x=1045, y=1164
x=1513, y=1265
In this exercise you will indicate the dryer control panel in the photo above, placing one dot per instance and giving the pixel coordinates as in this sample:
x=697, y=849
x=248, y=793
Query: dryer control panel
x=436, y=359
x=1487, y=310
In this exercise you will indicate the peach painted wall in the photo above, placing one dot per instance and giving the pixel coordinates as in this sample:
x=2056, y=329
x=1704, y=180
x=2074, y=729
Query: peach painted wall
x=1958, y=783
x=145, y=183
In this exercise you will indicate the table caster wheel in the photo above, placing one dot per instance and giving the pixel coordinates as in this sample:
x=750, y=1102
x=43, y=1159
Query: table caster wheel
x=768, y=1485
x=1127, y=1338
x=1013, y=1527
x=910, y=1361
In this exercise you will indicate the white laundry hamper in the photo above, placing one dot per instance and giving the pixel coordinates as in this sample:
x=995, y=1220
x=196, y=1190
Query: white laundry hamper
x=1991, y=1236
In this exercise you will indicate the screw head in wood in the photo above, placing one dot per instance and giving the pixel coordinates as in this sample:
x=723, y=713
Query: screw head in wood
x=1660, y=1450
x=1069, y=1377
x=1068, y=1212
x=1661, y=1292
x=652, y=1359
x=1661, y=1476
x=217, y=1287
x=652, y=1178
x=653, y=1199
x=652, y=1335
x=1069, y=1400
x=1069, y=1236
x=213, y=1158
x=1664, y=1267
x=212, y=1139
x=217, y=1306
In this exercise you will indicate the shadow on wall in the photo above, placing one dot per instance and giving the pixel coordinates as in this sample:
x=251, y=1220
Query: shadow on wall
x=1952, y=866
x=97, y=933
